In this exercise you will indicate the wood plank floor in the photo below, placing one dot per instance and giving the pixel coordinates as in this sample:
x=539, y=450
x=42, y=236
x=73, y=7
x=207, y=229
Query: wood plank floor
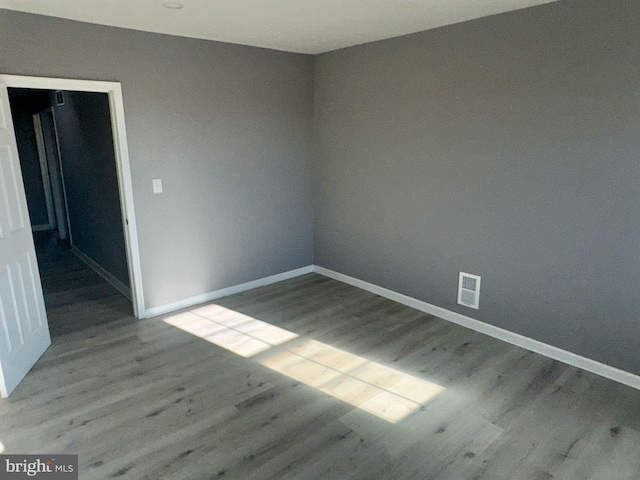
x=76, y=298
x=146, y=400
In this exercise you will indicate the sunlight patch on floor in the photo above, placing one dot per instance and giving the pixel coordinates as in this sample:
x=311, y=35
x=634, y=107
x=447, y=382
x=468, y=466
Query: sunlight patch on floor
x=370, y=386
x=374, y=388
x=233, y=331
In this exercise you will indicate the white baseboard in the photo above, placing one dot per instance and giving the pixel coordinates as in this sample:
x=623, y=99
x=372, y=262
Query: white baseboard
x=225, y=292
x=536, y=346
x=121, y=287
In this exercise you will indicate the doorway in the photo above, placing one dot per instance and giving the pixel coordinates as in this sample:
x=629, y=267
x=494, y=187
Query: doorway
x=65, y=147
x=57, y=211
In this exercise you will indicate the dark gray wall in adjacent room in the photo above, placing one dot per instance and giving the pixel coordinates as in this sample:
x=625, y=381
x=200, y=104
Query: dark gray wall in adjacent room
x=228, y=129
x=85, y=141
x=22, y=114
x=506, y=147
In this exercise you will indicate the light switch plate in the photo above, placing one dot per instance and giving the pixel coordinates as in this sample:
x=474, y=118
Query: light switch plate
x=157, y=185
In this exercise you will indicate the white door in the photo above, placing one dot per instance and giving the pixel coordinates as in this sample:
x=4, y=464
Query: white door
x=24, y=333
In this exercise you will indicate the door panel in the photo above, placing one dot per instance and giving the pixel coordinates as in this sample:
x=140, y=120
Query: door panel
x=8, y=185
x=8, y=313
x=24, y=332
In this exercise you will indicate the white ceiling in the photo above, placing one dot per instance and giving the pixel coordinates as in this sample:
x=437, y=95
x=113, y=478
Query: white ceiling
x=304, y=26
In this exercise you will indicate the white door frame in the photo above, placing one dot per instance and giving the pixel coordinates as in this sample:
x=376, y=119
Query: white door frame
x=44, y=170
x=116, y=104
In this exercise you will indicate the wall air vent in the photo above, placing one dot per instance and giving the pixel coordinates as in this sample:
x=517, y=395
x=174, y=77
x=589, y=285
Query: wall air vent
x=59, y=98
x=469, y=290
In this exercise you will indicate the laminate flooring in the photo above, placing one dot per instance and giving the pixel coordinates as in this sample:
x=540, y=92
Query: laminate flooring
x=144, y=399
x=76, y=298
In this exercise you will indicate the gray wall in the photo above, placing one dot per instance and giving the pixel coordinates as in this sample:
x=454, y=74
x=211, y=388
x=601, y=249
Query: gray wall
x=228, y=129
x=85, y=140
x=506, y=147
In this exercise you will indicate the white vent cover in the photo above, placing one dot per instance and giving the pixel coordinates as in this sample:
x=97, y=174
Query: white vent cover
x=469, y=290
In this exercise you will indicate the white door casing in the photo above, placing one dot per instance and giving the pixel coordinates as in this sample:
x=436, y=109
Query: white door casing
x=44, y=170
x=116, y=104
x=24, y=332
